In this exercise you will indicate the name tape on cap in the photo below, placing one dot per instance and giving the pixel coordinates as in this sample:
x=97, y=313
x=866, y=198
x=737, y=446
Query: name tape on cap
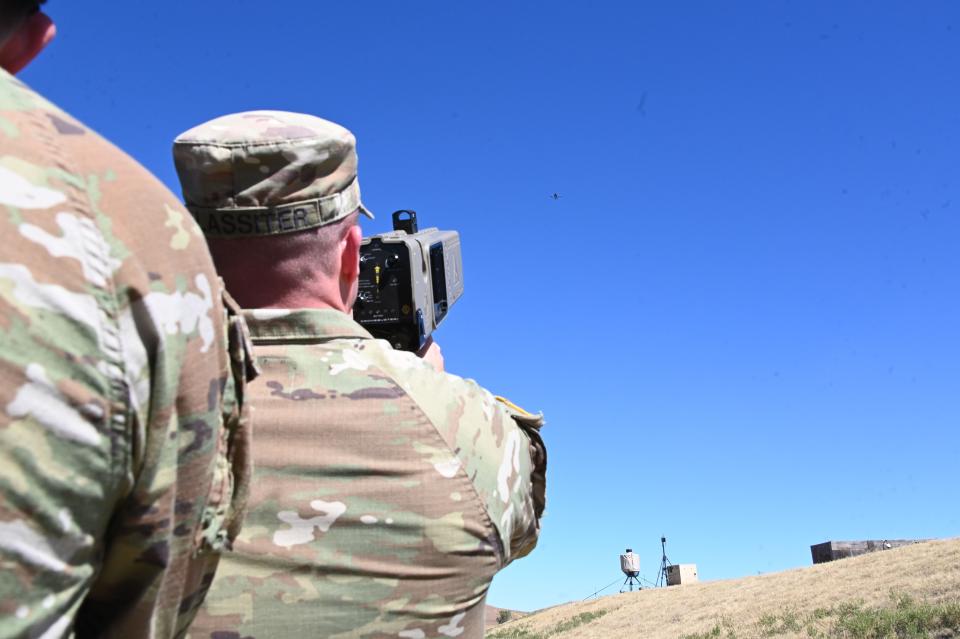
x=289, y=218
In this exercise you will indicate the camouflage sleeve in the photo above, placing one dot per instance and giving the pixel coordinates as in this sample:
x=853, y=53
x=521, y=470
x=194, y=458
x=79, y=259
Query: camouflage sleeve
x=116, y=471
x=61, y=412
x=63, y=455
x=498, y=445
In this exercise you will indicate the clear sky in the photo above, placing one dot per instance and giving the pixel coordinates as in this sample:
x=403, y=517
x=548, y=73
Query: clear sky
x=742, y=316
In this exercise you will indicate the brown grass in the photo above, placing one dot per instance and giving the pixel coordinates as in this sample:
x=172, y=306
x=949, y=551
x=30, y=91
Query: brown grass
x=816, y=601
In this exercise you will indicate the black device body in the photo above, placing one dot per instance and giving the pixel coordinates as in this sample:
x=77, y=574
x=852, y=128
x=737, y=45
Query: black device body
x=408, y=281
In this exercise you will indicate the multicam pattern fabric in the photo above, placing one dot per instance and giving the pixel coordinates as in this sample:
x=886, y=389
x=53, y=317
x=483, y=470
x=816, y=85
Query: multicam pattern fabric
x=122, y=437
x=267, y=172
x=385, y=497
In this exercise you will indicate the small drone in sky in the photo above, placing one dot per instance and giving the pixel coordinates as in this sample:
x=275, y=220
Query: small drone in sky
x=555, y=196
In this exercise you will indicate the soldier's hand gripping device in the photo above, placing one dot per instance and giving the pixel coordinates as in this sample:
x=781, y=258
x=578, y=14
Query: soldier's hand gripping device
x=409, y=279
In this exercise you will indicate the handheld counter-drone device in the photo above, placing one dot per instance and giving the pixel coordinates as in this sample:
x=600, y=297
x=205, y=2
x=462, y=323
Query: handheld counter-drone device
x=409, y=279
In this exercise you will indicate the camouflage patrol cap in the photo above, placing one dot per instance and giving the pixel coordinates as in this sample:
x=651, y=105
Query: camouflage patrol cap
x=267, y=172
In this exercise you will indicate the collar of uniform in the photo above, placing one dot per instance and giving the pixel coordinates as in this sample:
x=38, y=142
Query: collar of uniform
x=274, y=324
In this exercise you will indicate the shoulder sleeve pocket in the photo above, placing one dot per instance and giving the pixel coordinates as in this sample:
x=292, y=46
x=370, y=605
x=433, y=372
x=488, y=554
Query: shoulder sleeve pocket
x=525, y=535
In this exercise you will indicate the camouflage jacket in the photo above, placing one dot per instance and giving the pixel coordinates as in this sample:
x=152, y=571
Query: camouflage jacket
x=119, y=480
x=385, y=496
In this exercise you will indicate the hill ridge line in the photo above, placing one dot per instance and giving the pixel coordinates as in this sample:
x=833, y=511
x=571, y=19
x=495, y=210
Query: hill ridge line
x=926, y=572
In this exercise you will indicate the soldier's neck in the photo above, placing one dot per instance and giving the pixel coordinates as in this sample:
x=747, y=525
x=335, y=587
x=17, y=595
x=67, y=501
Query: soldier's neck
x=265, y=294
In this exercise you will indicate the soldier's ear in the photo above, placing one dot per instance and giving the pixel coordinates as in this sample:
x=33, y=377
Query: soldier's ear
x=26, y=42
x=350, y=253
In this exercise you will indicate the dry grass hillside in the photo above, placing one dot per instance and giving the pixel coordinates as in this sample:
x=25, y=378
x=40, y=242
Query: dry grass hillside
x=912, y=591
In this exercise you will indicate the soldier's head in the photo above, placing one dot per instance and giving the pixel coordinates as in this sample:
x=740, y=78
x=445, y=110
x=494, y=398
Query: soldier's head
x=24, y=32
x=277, y=197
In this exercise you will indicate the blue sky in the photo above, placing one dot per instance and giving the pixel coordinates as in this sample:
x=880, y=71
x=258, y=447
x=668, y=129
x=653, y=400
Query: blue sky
x=741, y=318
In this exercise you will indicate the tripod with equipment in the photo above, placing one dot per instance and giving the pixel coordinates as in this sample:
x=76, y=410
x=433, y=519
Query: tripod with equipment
x=630, y=565
x=664, y=563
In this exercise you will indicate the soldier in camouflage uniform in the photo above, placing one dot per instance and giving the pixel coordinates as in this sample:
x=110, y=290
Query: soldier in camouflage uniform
x=386, y=493
x=123, y=461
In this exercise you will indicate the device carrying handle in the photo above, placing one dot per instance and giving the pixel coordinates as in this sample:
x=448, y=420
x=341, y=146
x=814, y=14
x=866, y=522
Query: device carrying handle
x=408, y=224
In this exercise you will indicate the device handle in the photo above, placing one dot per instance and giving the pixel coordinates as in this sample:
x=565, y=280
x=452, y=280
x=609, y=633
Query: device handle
x=409, y=224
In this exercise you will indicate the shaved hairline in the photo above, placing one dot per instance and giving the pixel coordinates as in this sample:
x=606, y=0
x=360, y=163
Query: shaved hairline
x=310, y=249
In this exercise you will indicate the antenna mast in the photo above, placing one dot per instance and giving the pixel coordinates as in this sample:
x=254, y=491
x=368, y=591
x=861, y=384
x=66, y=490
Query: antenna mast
x=664, y=563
